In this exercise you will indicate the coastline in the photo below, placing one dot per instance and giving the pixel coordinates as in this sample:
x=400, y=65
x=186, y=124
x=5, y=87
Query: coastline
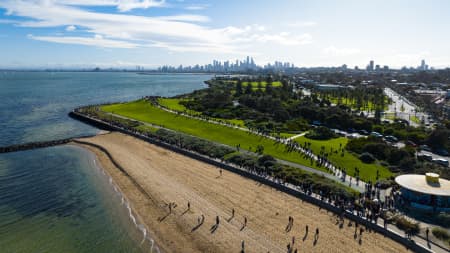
x=166, y=177
x=139, y=225
x=122, y=185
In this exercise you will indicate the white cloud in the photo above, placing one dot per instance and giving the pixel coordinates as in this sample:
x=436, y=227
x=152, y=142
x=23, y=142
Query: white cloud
x=302, y=24
x=197, y=7
x=176, y=33
x=97, y=41
x=122, y=5
x=285, y=39
x=334, y=51
x=71, y=28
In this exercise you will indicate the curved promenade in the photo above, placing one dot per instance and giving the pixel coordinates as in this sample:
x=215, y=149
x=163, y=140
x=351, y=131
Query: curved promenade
x=390, y=231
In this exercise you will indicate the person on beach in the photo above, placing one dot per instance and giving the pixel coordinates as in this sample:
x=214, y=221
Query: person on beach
x=189, y=205
x=217, y=220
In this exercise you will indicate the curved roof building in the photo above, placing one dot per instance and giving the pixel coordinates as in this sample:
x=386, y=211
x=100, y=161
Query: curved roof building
x=425, y=191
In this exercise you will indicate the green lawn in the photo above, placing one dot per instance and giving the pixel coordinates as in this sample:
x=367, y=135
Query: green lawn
x=174, y=104
x=263, y=84
x=348, y=161
x=415, y=119
x=352, y=103
x=390, y=116
x=144, y=111
x=255, y=84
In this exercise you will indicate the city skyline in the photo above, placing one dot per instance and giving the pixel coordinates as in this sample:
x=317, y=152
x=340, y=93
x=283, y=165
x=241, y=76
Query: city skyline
x=127, y=33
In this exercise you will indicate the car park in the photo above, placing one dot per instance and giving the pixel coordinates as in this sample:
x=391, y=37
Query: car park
x=410, y=143
x=425, y=157
x=441, y=152
x=376, y=134
x=441, y=161
x=391, y=138
x=425, y=147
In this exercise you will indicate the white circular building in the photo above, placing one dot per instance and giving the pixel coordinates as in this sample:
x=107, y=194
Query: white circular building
x=425, y=191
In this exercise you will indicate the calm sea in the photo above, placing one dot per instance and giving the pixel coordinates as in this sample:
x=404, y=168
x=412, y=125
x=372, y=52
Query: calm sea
x=56, y=199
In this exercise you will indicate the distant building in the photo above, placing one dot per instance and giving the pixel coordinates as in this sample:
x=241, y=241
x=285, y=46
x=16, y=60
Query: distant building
x=370, y=67
x=326, y=86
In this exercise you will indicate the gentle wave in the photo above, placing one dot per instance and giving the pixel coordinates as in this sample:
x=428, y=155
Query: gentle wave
x=124, y=202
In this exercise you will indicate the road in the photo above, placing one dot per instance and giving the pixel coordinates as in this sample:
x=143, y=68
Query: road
x=404, y=109
x=435, y=156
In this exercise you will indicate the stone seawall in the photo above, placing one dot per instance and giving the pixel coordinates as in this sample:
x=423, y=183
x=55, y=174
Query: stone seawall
x=35, y=145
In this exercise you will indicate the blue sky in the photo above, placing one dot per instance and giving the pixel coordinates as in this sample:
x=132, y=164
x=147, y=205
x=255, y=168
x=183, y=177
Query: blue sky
x=126, y=33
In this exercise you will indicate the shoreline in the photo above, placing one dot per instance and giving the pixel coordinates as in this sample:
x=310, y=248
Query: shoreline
x=139, y=225
x=175, y=235
x=115, y=182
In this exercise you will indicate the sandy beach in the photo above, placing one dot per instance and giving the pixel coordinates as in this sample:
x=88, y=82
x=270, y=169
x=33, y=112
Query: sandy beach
x=156, y=177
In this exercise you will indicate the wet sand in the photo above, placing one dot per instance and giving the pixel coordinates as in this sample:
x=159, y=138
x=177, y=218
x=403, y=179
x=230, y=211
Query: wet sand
x=156, y=177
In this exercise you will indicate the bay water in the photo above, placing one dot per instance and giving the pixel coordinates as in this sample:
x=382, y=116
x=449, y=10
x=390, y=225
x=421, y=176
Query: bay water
x=57, y=199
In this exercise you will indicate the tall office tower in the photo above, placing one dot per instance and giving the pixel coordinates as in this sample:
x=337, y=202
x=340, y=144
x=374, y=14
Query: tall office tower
x=371, y=65
x=422, y=65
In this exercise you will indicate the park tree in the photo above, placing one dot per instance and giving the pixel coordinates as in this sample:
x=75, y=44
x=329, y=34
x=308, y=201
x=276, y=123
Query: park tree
x=248, y=89
x=239, y=88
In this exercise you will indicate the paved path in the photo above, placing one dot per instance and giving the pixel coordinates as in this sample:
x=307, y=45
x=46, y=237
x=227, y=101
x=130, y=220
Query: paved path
x=296, y=136
x=336, y=176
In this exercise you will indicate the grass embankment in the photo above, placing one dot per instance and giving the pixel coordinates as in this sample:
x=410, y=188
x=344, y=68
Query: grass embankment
x=349, y=161
x=145, y=112
x=175, y=105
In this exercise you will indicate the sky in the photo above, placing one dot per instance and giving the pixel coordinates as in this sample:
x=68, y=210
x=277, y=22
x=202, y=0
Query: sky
x=151, y=33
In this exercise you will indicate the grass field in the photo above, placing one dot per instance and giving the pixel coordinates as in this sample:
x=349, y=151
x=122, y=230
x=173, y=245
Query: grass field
x=174, y=104
x=254, y=84
x=415, y=119
x=263, y=84
x=144, y=111
x=352, y=104
x=348, y=161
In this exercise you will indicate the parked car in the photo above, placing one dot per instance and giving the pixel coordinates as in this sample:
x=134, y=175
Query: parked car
x=391, y=138
x=441, y=161
x=376, y=134
x=410, y=143
x=425, y=147
x=425, y=157
x=363, y=132
x=441, y=151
